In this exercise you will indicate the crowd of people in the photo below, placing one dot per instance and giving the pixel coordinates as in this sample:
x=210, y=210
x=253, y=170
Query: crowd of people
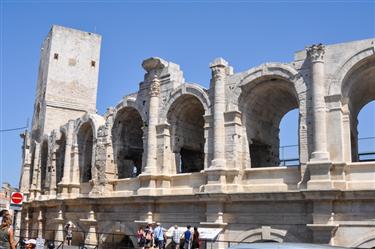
x=147, y=237
x=156, y=237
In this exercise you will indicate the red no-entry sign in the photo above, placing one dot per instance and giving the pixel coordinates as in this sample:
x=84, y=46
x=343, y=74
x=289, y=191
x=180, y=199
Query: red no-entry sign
x=17, y=198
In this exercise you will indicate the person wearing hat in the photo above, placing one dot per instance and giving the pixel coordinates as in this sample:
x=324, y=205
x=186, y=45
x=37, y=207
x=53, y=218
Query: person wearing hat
x=159, y=236
x=30, y=244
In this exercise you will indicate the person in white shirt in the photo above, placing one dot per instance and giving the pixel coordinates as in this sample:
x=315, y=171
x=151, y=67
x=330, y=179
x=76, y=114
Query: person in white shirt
x=176, y=237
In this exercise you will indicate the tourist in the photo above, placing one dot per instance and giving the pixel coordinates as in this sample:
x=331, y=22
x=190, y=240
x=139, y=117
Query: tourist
x=159, y=236
x=187, y=237
x=176, y=237
x=141, y=238
x=195, y=244
x=149, y=236
x=7, y=233
x=134, y=169
x=69, y=232
x=30, y=244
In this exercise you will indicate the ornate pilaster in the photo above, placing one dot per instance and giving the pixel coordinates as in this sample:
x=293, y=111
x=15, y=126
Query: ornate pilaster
x=153, y=114
x=26, y=165
x=319, y=165
x=316, y=55
x=218, y=175
x=40, y=224
x=59, y=234
x=91, y=240
x=35, y=187
x=74, y=184
x=218, y=81
x=67, y=159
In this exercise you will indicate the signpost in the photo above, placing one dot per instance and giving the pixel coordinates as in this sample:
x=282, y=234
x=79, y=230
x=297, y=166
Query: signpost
x=16, y=200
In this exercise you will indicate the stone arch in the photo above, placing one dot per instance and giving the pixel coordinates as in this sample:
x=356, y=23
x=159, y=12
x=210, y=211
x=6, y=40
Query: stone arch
x=354, y=85
x=367, y=241
x=186, y=118
x=85, y=136
x=60, y=155
x=130, y=102
x=268, y=92
x=118, y=228
x=343, y=71
x=186, y=89
x=264, y=233
x=127, y=140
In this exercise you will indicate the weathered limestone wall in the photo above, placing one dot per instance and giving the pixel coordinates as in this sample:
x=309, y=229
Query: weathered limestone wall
x=207, y=157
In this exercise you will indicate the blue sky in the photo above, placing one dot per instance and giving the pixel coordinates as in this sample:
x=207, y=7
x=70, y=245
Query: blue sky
x=191, y=34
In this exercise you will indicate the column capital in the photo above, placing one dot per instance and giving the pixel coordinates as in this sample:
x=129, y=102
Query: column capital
x=316, y=52
x=218, y=62
x=155, y=87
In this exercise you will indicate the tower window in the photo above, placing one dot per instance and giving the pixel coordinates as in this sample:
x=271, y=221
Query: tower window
x=56, y=56
x=72, y=62
x=93, y=63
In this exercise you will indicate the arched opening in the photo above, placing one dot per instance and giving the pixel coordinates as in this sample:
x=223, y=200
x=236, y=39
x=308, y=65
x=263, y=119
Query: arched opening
x=288, y=135
x=43, y=166
x=263, y=104
x=117, y=241
x=60, y=157
x=85, y=144
x=185, y=117
x=366, y=133
x=358, y=91
x=127, y=139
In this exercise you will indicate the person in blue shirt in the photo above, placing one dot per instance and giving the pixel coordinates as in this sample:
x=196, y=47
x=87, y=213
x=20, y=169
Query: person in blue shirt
x=187, y=237
x=159, y=236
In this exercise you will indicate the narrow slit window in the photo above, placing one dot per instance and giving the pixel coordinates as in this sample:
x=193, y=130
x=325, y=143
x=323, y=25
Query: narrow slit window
x=93, y=63
x=56, y=56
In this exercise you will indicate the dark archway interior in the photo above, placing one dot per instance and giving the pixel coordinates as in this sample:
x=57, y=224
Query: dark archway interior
x=118, y=241
x=60, y=157
x=43, y=166
x=263, y=104
x=85, y=144
x=187, y=133
x=359, y=90
x=127, y=137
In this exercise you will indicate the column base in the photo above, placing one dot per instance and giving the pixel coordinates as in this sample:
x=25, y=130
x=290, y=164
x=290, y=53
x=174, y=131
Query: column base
x=320, y=175
x=221, y=180
x=153, y=184
x=319, y=156
x=323, y=233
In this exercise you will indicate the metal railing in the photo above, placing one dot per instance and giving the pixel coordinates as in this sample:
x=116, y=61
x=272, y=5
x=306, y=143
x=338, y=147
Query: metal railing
x=289, y=154
x=366, y=149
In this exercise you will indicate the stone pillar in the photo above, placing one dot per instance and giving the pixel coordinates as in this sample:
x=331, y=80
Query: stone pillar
x=26, y=225
x=26, y=163
x=67, y=159
x=74, y=184
x=319, y=165
x=316, y=54
x=53, y=186
x=153, y=114
x=91, y=238
x=219, y=68
x=40, y=224
x=59, y=234
x=34, y=188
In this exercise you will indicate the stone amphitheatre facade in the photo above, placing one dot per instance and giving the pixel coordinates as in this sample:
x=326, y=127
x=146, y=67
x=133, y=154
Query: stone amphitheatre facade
x=207, y=157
